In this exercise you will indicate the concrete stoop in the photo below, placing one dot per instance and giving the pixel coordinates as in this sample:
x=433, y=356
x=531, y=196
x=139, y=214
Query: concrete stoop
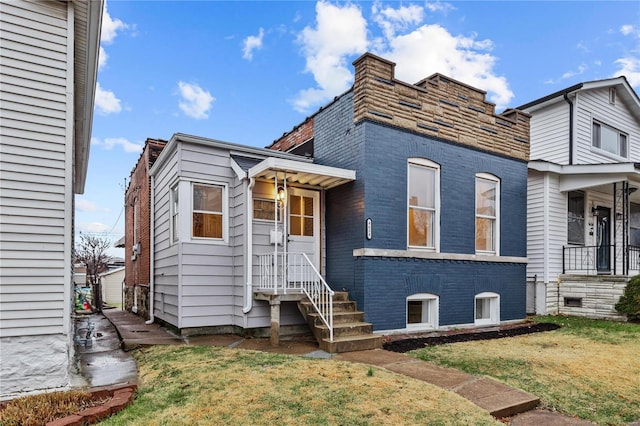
x=350, y=332
x=497, y=398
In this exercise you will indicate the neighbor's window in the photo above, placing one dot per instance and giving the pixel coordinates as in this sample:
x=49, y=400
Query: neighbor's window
x=422, y=311
x=609, y=139
x=575, y=217
x=264, y=209
x=487, y=213
x=487, y=308
x=634, y=224
x=175, y=214
x=207, y=214
x=423, y=203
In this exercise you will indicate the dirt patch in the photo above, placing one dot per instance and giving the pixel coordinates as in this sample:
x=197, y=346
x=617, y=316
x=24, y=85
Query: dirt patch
x=405, y=343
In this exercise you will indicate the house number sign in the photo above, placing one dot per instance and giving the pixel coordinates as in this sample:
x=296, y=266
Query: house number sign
x=368, y=221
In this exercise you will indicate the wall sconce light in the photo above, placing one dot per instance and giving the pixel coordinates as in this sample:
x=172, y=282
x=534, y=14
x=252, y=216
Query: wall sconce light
x=281, y=195
x=594, y=211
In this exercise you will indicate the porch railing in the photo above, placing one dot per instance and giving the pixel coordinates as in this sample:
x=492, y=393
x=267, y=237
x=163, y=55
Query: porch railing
x=598, y=259
x=295, y=272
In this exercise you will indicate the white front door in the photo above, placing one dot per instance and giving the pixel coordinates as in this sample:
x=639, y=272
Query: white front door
x=303, y=227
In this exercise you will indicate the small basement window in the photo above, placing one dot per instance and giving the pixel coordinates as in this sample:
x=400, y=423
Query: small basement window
x=422, y=311
x=573, y=302
x=487, y=309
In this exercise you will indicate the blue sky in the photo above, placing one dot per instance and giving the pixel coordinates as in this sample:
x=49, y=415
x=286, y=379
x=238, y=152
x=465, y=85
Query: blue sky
x=248, y=71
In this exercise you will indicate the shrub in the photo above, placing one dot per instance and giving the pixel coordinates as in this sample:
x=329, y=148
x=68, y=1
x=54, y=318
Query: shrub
x=40, y=409
x=629, y=302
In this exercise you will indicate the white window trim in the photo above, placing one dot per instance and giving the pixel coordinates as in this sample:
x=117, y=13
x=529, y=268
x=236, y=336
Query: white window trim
x=494, y=315
x=225, y=213
x=434, y=317
x=603, y=152
x=496, y=243
x=436, y=225
x=174, y=236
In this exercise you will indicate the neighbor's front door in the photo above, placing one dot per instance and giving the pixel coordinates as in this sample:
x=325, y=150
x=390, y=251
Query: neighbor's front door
x=303, y=228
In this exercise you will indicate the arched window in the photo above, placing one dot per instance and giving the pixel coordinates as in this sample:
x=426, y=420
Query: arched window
x=487, y=308
x=423, y=204
x=422, y=311
x=487, y=214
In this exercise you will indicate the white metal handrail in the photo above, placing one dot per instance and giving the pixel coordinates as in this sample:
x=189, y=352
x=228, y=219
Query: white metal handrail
x=300, y=275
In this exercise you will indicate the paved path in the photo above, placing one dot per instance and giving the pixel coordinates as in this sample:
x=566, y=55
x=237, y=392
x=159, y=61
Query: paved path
x=101, y=361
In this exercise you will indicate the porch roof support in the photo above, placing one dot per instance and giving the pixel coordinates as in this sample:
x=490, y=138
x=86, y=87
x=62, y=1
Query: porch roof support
x=582, y=176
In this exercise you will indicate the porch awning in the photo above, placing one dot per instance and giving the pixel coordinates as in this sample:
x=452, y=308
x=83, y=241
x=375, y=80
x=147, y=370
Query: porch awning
x=581, y=176
x=302, y=173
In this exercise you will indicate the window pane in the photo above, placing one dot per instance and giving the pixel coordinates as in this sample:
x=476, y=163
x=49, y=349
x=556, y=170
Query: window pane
x=308, y=227
x=485, y=234
x=414, y=311
x=264, y=209
x=483, y=308
x=421, y=227
x=596, y=135
x=623, y=145
x=295, y=225
x=634, y=225
x=207, y=198
x=308, y=206
x=421, y=186
x=485, y=197
x=207, y=225
x=575, y=218
x=295, y=205
x=609, y=140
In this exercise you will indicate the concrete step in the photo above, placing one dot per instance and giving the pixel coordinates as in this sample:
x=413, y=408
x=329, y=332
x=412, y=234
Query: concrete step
x=351, y=343
x=339, y=317
x=338, y=306
x=346, y=329
x=340, y=296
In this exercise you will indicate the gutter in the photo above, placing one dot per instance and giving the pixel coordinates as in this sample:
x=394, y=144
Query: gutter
x=152, y=227
x=566, y=98
x=248, y=271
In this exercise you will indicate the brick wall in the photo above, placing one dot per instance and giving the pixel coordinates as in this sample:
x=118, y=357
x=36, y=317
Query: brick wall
x=299, y=135
x=138, y=199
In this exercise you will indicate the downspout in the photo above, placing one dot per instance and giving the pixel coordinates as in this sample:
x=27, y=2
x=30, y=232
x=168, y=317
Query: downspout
x=152, y=233
x=248, y=294
x=566, y=98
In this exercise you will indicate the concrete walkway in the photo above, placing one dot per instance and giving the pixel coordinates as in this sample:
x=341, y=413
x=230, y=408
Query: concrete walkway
x=499, y=399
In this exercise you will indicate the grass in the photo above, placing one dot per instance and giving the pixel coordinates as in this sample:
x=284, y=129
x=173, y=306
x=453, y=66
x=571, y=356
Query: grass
x=588, y=368
x=36, y=410
x=205, y=385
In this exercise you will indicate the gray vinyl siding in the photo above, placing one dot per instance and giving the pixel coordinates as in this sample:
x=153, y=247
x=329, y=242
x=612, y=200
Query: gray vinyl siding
x=557, y=223
x=35, y=168
x=536, y=224
x=594, y=104
x=550, y=132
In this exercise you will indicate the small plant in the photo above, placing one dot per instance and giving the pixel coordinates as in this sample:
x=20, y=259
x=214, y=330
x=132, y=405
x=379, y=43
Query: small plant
x=629, y=302
x=370, y=372
x=43, y=408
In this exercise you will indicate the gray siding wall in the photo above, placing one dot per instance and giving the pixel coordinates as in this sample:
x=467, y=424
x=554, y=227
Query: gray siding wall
x=36, y=200
x=550, y=134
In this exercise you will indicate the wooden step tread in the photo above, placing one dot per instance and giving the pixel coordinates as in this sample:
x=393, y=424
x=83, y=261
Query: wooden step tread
x=345, y=325
x=354, y=338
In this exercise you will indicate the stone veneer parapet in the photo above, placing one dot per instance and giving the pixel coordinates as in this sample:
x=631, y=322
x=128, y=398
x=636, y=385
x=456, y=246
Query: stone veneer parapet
x=437, y=106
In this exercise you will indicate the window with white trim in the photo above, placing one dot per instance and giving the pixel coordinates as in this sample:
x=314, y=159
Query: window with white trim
x=422, y=311
x=609, y=139
x=487, y=308
x=175, y=214
x=207, y=216
x=487, y=213
x=423, y=221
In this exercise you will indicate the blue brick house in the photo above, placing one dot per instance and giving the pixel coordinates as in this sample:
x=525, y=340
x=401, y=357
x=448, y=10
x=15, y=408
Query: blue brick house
x=432, y=232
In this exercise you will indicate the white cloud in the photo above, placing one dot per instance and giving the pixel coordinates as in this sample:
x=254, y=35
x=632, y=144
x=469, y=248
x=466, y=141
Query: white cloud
x=196, y=102
x=630, y=68
x=339, y=32
x=87, y=206
x=110, y=27
x=629, y=30
x=252, y=43
x=418, y=49
x=581, y=70
x=439, y=7
x=102, y=58
x=109, y=143
x=106, y=101
x=93, y=227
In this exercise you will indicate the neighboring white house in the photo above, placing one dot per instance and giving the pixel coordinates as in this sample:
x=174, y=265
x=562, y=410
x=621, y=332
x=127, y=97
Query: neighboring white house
x=583, y=220
x=111, y=286
x=48, y=66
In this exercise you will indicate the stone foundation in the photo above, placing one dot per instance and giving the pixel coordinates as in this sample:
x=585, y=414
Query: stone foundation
x=588, y=296
x=142, y=294
x=34, y=363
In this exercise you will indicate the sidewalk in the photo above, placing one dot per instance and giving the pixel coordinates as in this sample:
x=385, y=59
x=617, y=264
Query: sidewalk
x=497, y=398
